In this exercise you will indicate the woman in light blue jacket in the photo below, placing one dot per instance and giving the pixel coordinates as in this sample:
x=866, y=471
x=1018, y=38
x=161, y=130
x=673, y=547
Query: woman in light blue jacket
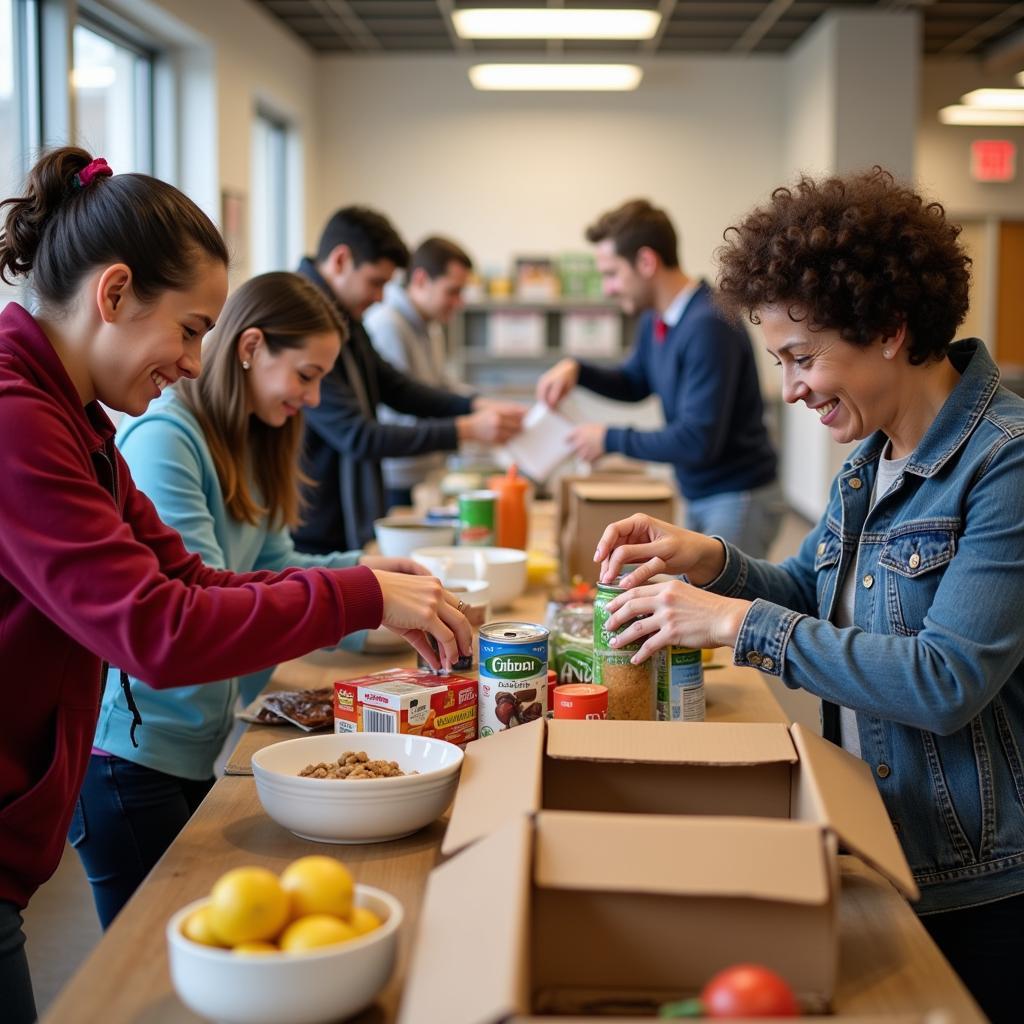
x=902, y=609
x=218, y=456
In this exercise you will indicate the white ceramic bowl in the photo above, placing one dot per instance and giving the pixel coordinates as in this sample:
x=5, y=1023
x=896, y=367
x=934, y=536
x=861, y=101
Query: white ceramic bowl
x=286, y=988
x=363, y=810
x=503, y=568
x=398, y=537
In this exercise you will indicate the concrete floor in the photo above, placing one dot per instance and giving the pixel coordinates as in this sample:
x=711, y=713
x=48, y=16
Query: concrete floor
x=61, y=924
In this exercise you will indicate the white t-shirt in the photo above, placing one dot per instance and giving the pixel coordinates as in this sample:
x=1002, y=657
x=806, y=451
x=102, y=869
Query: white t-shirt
x=889, y=470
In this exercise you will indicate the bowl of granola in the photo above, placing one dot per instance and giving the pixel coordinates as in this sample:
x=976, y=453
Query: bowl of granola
x=362, y=788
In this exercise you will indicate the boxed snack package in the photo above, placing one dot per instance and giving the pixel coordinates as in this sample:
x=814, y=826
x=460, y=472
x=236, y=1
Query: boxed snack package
x=408, y=701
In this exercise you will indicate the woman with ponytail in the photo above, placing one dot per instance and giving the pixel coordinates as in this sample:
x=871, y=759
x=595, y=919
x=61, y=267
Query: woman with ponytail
x=218, y=457
x=128, y=275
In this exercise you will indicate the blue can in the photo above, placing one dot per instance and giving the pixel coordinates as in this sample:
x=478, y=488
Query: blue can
x=513, y=674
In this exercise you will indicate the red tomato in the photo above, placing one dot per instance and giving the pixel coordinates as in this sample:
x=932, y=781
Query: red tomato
x=748, y=990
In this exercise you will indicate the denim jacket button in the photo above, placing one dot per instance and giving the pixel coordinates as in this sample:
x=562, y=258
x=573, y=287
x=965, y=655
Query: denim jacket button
x=753, y=658
x=883, y=771
x=914, y=561
x=767, y=663
x=855, y=483
x=821, y=549
x=869, y=581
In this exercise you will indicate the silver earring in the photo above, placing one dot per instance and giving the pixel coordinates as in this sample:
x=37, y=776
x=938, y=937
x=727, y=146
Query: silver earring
x=887, y=352
x=246, y=364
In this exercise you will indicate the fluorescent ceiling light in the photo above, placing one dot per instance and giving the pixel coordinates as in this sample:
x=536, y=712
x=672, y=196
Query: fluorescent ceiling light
x=93, y=76
x=980, y=116
x=995, y=99
x=556, y=77
x=554, y=23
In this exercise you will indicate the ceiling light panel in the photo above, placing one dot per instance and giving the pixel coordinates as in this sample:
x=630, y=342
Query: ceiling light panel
x=980, y=116
x=554, y=23
x=556, y=77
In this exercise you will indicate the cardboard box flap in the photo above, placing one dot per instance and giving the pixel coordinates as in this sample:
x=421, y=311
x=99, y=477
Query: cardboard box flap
x=623, y=491
x=500, y=781
x=716, y=856
x=475, y=915
x=849, y=803
x=698, y=743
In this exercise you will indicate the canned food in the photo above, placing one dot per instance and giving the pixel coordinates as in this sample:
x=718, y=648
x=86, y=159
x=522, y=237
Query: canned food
x=513, y=674
x=572, y=643
x=581, y=700
x=631, y=688
x=477, y=518
x=685, y=674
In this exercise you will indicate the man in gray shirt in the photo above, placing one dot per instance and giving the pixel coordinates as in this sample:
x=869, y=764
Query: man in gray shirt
x=405, y=329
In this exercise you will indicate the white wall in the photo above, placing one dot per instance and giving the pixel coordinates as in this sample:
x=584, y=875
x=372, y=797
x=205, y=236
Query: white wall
x=509, y=173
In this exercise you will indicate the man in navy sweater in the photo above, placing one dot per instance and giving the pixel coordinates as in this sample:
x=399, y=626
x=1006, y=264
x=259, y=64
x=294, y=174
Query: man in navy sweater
x=699, y=364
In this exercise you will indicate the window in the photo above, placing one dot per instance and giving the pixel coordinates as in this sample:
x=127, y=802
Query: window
x=270, y=194
x=112, y=79
x=19, y=92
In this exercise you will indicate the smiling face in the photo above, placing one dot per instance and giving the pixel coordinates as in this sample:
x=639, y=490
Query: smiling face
x=853, y=389
x=623, y=280
x=279, y=384
x=437, y=298
x=141, y=347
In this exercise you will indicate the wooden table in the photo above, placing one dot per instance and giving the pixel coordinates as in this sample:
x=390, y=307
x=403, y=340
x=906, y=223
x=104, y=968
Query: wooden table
x=888, y=963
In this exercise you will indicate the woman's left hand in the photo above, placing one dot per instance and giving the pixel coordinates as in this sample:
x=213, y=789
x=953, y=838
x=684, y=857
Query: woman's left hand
x=383, y=564
x=675, y=613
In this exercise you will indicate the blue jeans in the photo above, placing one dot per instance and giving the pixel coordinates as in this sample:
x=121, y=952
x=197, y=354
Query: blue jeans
x=748, y=519
x=15, y=983
x=126, y=817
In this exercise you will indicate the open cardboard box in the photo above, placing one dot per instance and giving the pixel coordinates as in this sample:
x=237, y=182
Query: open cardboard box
x=620, y=864
x=588, y=504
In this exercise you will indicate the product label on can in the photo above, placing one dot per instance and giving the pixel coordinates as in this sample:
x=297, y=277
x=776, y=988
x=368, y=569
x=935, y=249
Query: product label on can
x=686, y=684
x=513, y=675
x=477, y=518
x=603, y=635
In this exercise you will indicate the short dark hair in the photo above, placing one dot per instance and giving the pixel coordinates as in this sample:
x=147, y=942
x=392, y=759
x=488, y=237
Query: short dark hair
x=369, y=235
x=58, y=231
x=862, y=255
x=435, y=253
x=636, y=225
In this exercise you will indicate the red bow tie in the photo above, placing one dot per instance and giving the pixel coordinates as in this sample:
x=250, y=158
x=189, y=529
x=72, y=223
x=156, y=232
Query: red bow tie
x=660, y=329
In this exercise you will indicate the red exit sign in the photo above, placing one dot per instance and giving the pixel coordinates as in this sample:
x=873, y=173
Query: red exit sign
x=993, y=160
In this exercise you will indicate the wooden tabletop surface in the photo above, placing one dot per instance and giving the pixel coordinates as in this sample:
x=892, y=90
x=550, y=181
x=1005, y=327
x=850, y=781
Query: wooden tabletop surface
x=888, y=964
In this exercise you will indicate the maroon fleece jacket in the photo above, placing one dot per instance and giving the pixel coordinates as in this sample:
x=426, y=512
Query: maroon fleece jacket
x=89, y=573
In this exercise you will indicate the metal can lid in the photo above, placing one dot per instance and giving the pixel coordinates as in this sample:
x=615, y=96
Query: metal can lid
x=513, y=632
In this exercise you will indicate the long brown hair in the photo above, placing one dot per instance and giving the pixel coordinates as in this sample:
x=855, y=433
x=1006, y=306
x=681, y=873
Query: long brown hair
x=287, y=309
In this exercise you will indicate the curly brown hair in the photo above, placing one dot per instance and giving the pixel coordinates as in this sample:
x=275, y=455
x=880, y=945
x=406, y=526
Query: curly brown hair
x=861, y=255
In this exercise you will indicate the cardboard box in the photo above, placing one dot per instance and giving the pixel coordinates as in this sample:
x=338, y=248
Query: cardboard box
x=590, y=505
x=660, y=853
x=408, y=701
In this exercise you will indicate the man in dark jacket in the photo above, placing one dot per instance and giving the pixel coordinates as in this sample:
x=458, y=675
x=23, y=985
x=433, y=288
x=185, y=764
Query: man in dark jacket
x=700, y=364
x=344, y=442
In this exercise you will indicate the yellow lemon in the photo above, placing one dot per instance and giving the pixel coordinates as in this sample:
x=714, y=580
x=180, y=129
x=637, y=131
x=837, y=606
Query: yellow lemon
x=248, y=904
x=363, y=920
x=197, y=927
x=314, y=931
x=255, y=948
x=318, y=885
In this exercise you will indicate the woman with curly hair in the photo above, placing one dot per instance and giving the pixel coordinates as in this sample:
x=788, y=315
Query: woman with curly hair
x=901, y=610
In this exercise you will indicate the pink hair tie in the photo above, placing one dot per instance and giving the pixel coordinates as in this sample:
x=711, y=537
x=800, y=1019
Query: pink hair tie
x=98, y=168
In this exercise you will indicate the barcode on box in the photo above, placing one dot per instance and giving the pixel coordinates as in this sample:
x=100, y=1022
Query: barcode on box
x=379, y=721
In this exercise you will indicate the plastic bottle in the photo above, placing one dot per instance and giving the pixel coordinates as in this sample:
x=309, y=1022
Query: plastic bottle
x=511, y=490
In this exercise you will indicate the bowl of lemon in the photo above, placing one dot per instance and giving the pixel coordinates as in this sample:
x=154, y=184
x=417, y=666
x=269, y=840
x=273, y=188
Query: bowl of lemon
x=307, y=946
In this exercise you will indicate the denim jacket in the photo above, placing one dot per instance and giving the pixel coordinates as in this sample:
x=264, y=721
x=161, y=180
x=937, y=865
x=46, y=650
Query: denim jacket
x=933, y=662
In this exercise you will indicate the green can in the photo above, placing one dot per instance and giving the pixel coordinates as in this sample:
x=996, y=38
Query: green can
x=631, y=688
x=572, y=644
x=477, y=518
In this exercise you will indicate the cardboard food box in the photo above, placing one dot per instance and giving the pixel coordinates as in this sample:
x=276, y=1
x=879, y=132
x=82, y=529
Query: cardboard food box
x=593, y=505
x=408, y=701
x=720, y=836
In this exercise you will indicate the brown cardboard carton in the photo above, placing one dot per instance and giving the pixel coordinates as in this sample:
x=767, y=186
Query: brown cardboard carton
x=585, y=916
x=661, y=853
x=590, y=505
